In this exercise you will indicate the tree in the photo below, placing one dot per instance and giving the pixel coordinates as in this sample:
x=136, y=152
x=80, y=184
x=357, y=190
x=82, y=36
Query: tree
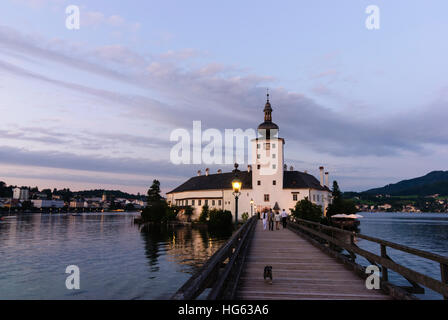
x=340, y=205
x=307, y=210
x=154, y=192
x=157, y=209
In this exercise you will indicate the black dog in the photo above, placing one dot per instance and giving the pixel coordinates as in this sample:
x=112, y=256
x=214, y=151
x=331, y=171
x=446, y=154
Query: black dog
x=268, y=273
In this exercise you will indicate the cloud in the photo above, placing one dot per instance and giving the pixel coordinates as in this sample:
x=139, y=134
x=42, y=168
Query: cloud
x=223, y=99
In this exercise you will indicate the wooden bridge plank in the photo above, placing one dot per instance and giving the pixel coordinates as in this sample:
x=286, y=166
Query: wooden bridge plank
x=300, y=271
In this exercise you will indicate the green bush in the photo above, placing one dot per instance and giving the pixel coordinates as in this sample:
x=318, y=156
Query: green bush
x=188, y=212
x=245, y=216
x=204, y=214
x=219, y=219
x=156, y=212
x=307, y=210
x=171, y=213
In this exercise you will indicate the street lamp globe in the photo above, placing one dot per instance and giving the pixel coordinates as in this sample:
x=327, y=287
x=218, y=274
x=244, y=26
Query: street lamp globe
x=236, y=185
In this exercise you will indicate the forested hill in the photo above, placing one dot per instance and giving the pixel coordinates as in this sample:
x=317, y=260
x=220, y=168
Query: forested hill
x=435, y=182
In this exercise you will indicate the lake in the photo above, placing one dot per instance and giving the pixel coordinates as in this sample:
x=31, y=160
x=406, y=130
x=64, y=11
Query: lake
x=119, y=260
x=424, y=231
x=116, y=258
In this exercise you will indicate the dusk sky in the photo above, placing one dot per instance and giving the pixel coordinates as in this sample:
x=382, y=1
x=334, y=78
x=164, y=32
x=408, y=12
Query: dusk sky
x=95, y=107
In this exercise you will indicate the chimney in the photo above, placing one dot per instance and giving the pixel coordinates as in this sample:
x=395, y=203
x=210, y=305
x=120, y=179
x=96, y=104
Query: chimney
x=199, y=173
x=219, y=171
x=291, y=168
x=207, y=170
x=249, y=168
x=326, y=179
x=321, y=169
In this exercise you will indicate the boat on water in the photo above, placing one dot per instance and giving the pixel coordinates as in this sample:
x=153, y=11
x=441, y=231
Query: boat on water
x=346, y=221
x=8, y=217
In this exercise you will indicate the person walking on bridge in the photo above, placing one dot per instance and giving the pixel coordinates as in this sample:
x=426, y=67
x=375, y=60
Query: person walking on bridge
x=271, y=220
x=277, y=220
x=284, y=217
x=265, y=218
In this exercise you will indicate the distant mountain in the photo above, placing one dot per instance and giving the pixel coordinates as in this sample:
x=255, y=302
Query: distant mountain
x=432, y=183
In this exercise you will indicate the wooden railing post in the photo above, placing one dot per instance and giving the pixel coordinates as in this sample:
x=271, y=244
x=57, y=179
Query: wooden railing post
x=384, y=271
x=352, y=243
x=444, y=274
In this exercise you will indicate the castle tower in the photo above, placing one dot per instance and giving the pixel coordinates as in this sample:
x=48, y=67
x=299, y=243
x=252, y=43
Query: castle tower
x=267, y=162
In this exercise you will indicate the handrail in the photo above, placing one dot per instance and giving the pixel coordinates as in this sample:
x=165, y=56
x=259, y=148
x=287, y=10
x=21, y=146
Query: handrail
x=217, y=274
x=420, y=253
x=414, y=277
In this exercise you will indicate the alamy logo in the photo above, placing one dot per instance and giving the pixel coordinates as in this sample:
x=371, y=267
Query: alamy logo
x=373, y=20
x=72, y=22
x=212, y=147
x=373, y=280
x=73, y=280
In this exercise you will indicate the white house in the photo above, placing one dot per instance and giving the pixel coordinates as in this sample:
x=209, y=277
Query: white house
x=21, y=194
x=265, y=183
x=42, y=203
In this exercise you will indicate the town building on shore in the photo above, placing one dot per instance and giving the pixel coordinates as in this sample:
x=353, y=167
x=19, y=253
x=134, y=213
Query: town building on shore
x=21, y=194
x=266, y=184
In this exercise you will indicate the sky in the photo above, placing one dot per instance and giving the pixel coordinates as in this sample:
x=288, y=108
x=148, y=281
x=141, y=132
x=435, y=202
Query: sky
x=95, y=107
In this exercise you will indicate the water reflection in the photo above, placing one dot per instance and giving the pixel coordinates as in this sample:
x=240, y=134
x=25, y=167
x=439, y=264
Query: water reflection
x=189, y=247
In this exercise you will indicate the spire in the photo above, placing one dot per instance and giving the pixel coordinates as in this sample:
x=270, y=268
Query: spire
x=267, y=109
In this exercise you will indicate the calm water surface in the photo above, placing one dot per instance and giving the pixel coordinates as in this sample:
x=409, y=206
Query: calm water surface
x=117, y=259
x=424, y=231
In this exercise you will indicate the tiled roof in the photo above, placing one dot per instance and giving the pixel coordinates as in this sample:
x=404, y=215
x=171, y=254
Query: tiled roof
x=223, y=181
x=218, y=181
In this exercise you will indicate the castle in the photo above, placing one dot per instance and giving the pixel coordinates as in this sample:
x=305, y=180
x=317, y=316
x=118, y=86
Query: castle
x=267, y=183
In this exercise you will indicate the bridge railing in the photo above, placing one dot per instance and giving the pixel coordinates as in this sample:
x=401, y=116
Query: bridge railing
x=384, y=262
x=222, y=271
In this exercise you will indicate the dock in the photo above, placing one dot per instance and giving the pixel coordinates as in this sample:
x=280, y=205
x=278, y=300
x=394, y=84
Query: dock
x=300, y=271
x=309, y=261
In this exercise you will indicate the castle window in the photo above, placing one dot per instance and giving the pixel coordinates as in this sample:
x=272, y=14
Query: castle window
x=258, y=156
x=206, y=202
x=213, y=202
x=192, y=202
x=274, y=166
x=294, y=197
x=266, y=198
x=318, y=198
x=258, y=166
x=258, y=146
x=314, y=197
x=273, y=155
x=273, y=146
x=274, y=182
x=219, y=202
x=199, y=202
x=258, y=183
x=267, y=146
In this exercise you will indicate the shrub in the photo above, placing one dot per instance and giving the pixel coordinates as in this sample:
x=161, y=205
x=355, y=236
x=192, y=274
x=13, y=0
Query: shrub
x=156, y=212
x=219, y=219
x=245, y=216
x=204, y=214
x=307, y=210
x=188, y=212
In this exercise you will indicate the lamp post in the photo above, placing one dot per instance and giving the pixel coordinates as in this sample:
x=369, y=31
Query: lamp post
x=236, y=186
x=251, y=207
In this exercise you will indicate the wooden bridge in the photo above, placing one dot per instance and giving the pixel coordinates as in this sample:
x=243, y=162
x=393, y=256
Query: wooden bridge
x=307, y=264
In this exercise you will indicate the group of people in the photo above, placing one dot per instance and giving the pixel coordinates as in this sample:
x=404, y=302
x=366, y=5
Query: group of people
x=269, y=217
